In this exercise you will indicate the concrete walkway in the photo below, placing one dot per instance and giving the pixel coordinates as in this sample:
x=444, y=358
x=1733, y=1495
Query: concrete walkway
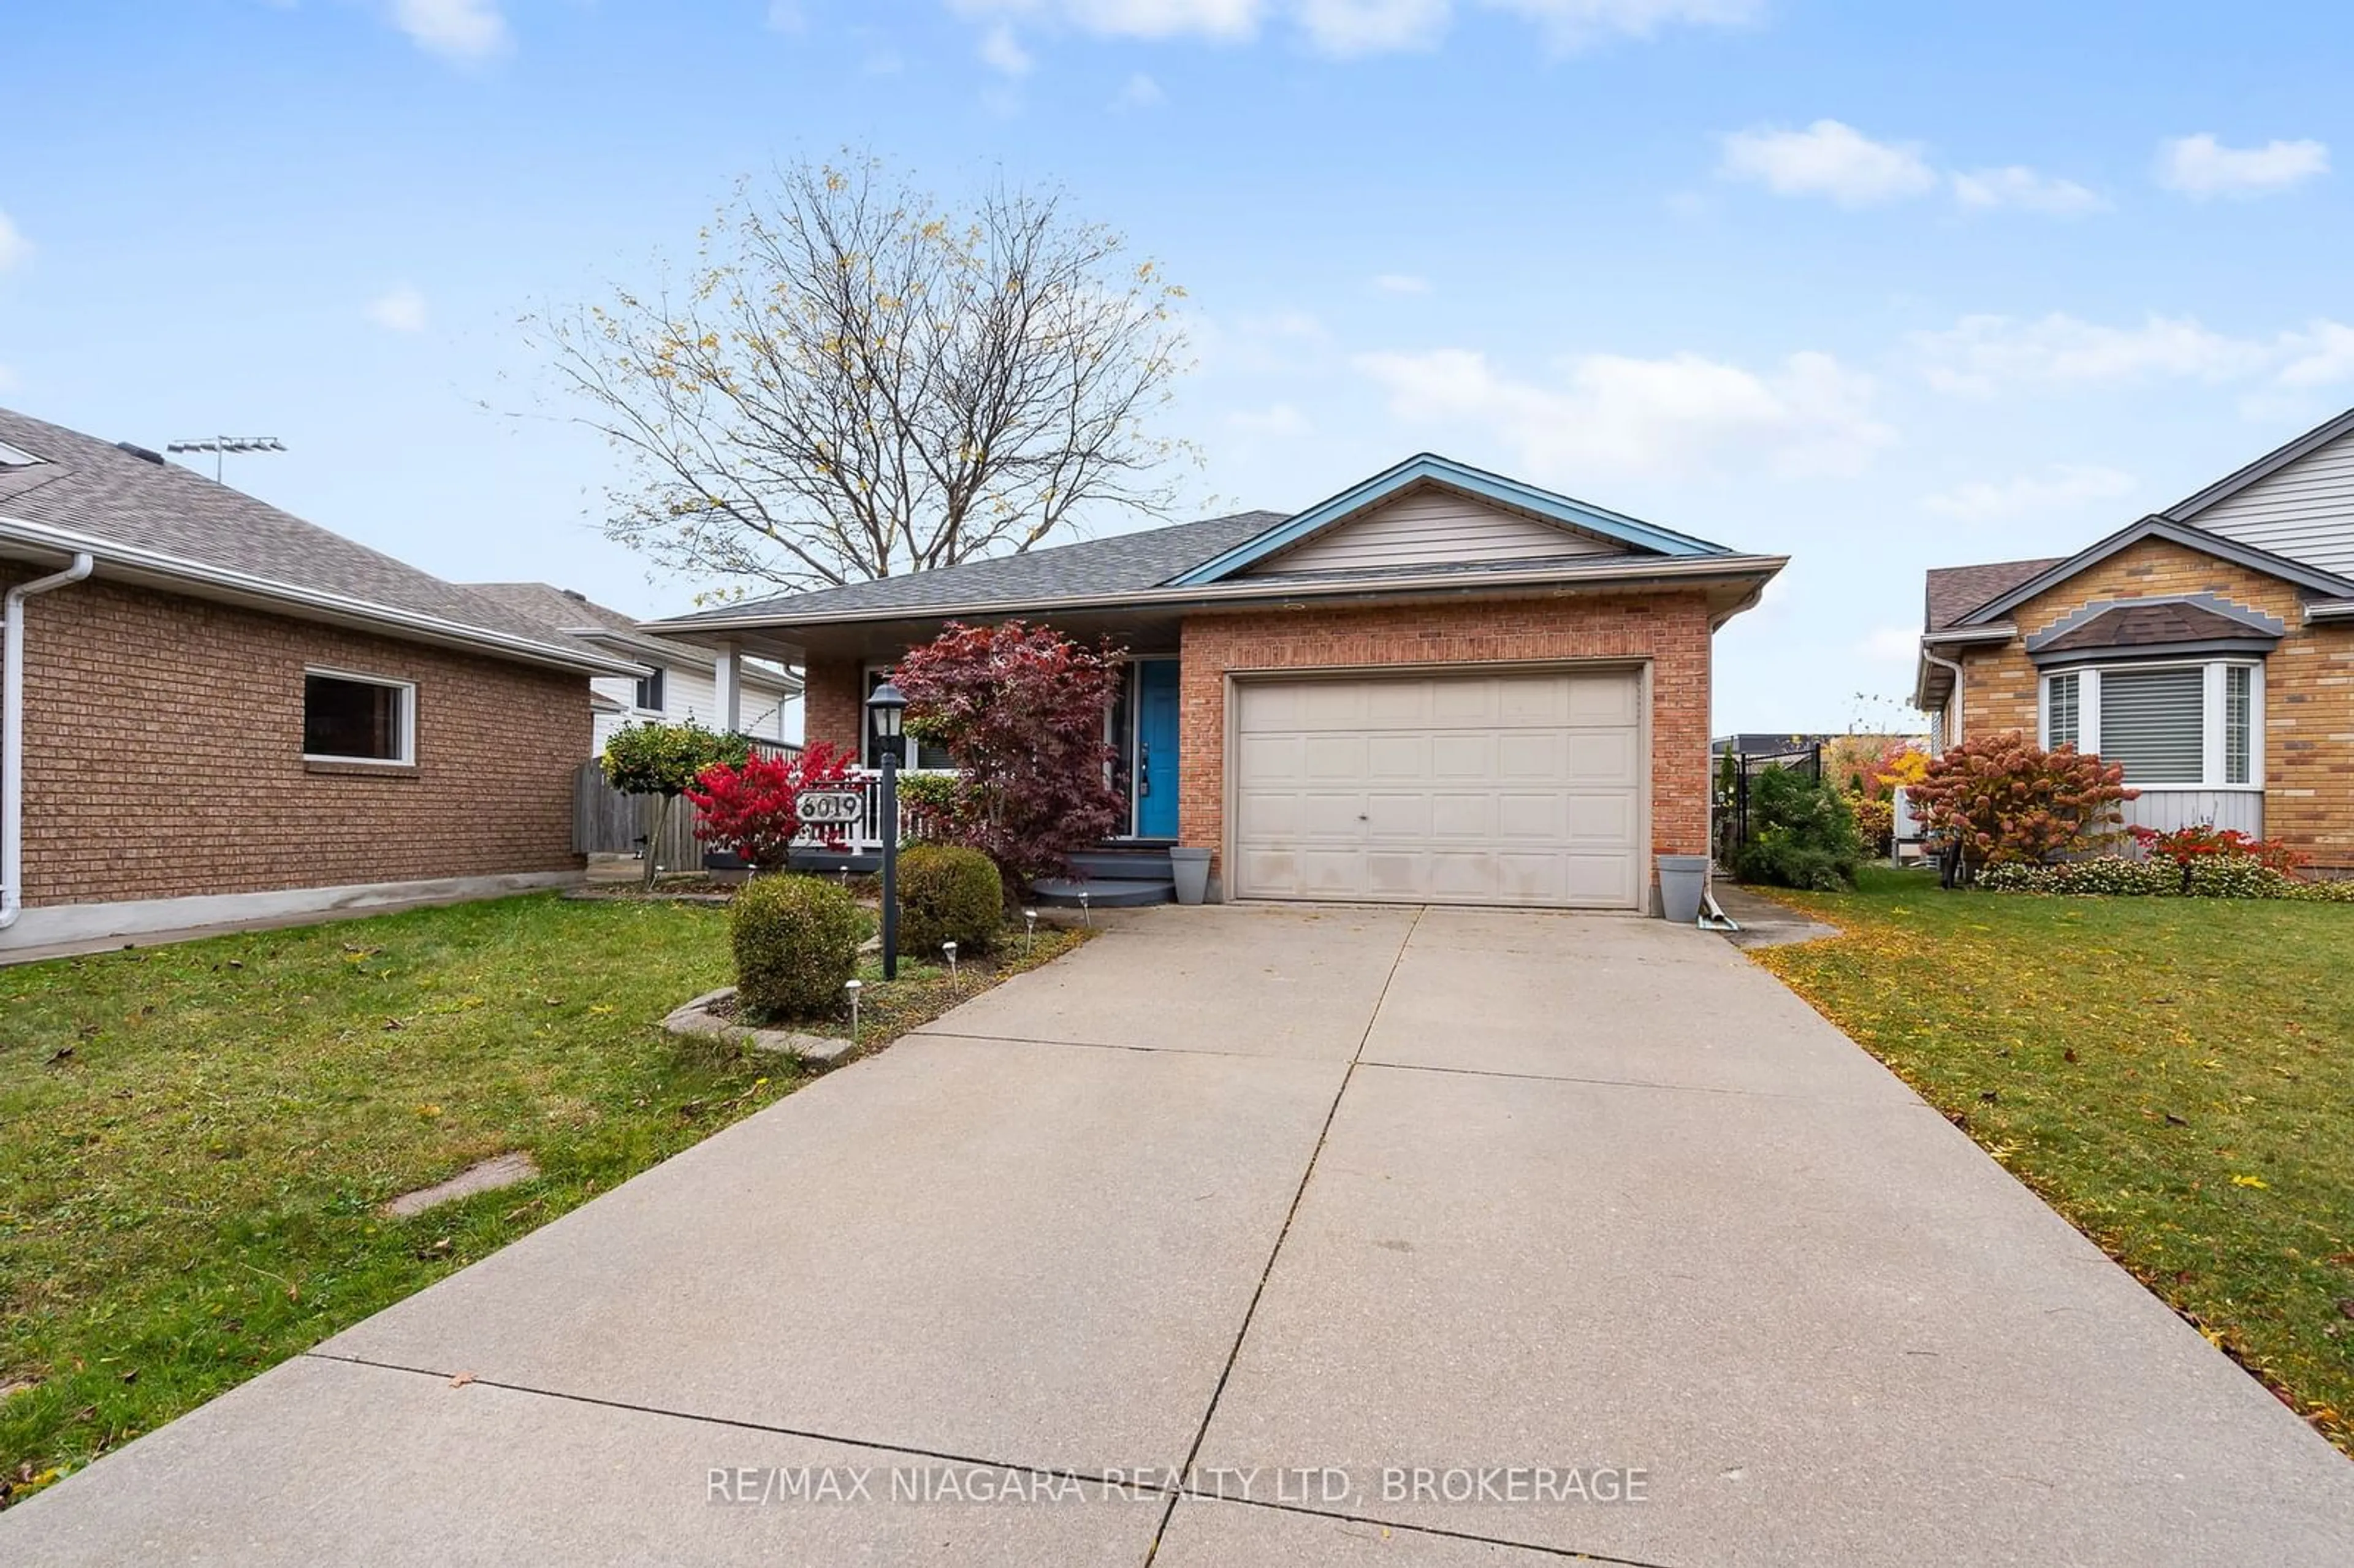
x=1245, y=1235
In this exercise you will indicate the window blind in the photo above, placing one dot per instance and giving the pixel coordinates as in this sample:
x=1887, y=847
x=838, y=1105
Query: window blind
x=2239, y=702
x=2153, y=721
x=2060, y=720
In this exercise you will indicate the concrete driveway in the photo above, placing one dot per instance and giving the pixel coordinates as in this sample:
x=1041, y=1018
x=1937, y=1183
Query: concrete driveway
x=1254, y=1234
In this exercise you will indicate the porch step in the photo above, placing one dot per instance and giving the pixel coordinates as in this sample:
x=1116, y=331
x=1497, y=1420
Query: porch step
x=1123, y=863
x=1103, y=893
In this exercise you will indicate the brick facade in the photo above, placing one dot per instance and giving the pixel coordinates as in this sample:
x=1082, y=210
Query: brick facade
x=2308, y=730
x=164, y=740
x=1668, y=631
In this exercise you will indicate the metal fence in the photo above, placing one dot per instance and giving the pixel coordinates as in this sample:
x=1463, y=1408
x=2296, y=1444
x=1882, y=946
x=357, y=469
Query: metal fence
x=1737, y=772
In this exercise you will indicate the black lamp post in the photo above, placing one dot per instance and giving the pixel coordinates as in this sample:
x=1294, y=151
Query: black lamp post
x=889, y=708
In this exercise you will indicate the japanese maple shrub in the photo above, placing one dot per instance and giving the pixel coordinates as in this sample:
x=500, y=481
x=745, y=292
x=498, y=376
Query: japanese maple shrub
x=663, y=760
x=750, y=807
x=1021, y=709
x=2004, y=798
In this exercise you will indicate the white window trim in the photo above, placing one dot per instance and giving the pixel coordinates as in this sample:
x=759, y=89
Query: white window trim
x=908, y=743
x=2213, y=712
x=408, y=689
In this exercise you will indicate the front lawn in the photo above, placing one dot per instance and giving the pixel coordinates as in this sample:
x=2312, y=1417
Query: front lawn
x=2176, y=1075
x=199, y=1138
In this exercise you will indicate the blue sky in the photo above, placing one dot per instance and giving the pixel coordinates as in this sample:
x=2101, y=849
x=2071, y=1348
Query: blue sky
x=1881, y=287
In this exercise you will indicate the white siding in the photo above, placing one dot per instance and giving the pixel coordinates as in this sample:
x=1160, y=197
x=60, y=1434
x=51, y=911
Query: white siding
x=2167, y=809
x=2305, y=511
x=768, y=712
x=1431, y=527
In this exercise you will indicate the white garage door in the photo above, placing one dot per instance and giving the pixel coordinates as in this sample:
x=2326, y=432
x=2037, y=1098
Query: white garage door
x=1522, y=787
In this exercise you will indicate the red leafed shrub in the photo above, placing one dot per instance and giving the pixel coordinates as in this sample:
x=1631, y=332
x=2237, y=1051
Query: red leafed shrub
x=747, y=808
x=2188, y=847
x=2006, y=799
x=1021, y=709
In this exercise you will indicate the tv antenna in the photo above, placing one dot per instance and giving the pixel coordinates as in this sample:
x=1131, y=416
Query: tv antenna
x=221, y=446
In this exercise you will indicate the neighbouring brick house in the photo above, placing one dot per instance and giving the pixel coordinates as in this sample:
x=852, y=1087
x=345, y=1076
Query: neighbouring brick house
x=2208, y=648
x=231, y=713
x=1440, y=685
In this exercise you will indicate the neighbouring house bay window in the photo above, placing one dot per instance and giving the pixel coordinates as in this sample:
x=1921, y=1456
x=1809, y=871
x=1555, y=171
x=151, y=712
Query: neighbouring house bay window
x=2192, y=726
x=357, y=718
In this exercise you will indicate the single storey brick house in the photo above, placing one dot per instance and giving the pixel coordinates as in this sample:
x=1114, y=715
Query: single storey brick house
x=1439, y=685
x=215, y=711
x=2208, y=648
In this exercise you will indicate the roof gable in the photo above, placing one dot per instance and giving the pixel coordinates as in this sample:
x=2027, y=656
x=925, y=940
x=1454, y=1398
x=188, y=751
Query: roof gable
x=1955, y=591
x=2159, y=527
x=1498, y=496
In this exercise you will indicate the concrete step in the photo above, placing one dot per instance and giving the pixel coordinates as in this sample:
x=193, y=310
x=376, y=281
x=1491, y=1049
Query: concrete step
x=1121, y=863
x=1103, y=893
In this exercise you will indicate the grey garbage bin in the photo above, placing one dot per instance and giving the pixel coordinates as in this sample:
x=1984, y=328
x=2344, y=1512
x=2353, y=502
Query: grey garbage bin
x=1683, y=879
x=1190, y=869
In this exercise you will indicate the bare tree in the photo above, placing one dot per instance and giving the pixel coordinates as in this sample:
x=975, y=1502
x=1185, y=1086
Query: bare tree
x=852, y=384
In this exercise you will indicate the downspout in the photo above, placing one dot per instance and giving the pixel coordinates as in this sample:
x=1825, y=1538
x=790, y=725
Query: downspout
x=12, y=736
x=1953, y=702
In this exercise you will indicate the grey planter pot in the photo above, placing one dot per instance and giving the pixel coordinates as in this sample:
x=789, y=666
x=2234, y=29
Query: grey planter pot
x=1683, y=878
x=1190, y=868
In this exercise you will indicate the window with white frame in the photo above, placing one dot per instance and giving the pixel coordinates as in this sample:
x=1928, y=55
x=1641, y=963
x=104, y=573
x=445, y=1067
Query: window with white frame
x=2188, y=726
x=650, y=692
x=358, y=718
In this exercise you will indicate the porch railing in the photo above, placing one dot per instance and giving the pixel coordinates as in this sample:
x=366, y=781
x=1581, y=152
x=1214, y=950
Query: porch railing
x=866, y=835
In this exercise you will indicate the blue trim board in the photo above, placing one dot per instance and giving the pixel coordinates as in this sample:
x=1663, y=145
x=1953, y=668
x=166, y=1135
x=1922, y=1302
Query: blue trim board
x=1427, y=467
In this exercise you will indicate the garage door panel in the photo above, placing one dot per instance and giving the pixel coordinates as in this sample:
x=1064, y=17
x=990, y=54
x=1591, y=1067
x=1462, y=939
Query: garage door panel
x=1406, y=757
x=1469, y=756
x=1542, y=817
x=1397, y=817
x=1494, y=788
x=1605, y=700
x=1455, y=815
x=1600, y=756
x=1534, y=754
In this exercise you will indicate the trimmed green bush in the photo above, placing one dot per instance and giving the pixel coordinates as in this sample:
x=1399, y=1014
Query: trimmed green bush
x=795, y=944
x=948, y=893
x=1802, y=835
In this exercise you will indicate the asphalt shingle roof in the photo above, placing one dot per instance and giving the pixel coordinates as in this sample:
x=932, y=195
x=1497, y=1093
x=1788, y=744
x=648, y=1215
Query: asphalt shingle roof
x=1122, y=563
x=1955, y=591
x=564, y=612
x=96, y=488
x=2147, y=625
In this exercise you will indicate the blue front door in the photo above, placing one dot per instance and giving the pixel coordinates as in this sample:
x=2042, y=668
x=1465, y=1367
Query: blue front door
x=1156, y=748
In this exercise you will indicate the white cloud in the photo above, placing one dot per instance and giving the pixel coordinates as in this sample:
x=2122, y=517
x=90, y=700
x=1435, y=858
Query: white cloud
x=1890, y=644
x=1130, y=18
x=1614, y=414
x=14, y=247
x=1360, y=27
x=2017, y=186
x=1402, y=283
x=1140, y=91
x=1828, y=159
x=462, y=30
x=1001, y=51
x=1372, y=26
x=1276, y=420
x=2060, y=485
x=398, y=309
x=2202, y=166
x=1979, y=353
x=1574, y=23
x=787, y=16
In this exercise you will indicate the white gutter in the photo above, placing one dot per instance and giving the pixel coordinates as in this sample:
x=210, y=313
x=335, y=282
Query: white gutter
x=1246, y=591
x=1954, y=700
x=174, y=573
x=12, y=736
x=2330, y=610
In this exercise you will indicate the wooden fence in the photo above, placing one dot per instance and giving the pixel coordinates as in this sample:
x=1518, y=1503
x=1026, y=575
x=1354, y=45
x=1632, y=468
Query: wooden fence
x=606, y=821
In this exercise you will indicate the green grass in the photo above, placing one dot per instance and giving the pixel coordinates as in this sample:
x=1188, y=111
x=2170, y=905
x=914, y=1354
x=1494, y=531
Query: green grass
x=2175, y=1075
x=199, y=1138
